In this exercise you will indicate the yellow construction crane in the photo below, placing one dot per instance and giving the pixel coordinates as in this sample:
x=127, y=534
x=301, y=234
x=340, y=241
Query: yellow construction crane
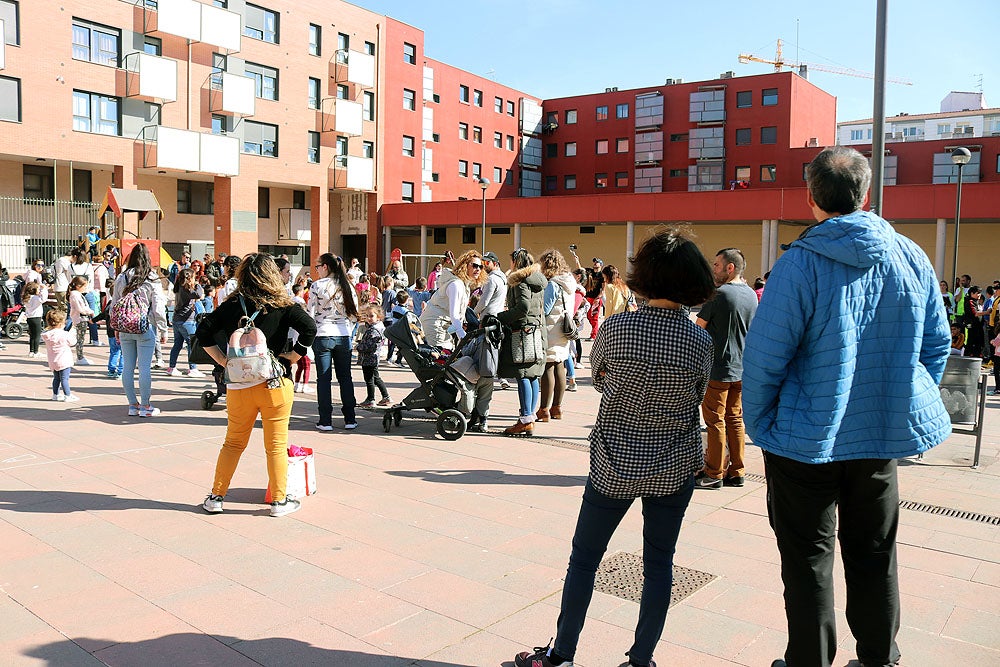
x=779, y=62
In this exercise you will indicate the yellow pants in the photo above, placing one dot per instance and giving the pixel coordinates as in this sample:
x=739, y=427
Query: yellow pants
x=243, y=405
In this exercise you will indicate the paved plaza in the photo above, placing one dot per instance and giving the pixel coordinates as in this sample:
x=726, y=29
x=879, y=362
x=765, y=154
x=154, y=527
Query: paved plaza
x=415, y=551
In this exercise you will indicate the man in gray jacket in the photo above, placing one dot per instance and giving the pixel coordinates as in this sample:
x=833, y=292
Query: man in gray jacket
x=492, y=300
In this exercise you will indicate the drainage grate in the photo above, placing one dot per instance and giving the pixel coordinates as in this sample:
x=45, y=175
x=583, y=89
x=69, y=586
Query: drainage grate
x=582, y=444
x=621, y=575
x=754, y=477
x=949, y=512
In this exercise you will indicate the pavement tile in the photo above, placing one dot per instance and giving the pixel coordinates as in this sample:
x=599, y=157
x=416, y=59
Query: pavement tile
x=204, y=608
x=371, y=567
x=924, y=648
x=38, y=578
x=185, y=648
x=477, y=650
x=973, y=627
x=457, y=597
x=48, y=648
x=420, y=634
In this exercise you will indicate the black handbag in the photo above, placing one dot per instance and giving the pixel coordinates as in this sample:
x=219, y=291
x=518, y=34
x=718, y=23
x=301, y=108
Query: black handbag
x=569, y=328
x=527, y=346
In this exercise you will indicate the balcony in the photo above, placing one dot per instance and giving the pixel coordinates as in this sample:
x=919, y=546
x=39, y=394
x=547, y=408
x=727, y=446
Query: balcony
x=350, y=172
x=192, y=20
x=353, y=67
x=341, y=116
x=3, y=46
x=231, y=94
x=149, y=78
x=172, y=149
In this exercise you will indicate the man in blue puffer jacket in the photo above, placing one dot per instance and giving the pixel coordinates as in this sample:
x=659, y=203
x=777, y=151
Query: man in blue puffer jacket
x=840, y=377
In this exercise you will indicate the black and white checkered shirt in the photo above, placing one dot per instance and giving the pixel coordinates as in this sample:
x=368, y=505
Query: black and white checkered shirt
x=652, y=367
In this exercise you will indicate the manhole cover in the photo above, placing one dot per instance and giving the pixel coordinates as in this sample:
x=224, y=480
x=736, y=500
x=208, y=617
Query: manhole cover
x=621, y=575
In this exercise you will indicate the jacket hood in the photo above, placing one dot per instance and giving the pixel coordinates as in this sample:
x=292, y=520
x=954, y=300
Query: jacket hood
x=529, y=275
x=860, y=239
x=566, y=281
x=447, y=276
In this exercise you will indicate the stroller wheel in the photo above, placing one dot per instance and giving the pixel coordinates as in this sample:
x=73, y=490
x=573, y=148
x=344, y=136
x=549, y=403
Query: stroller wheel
x=14, y=330
x=397, y=416
x=207, y=400
x=387, y=422
x=451, y=424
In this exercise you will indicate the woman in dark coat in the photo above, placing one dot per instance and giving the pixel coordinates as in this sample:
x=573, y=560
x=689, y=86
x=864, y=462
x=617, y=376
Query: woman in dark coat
x=525, y=301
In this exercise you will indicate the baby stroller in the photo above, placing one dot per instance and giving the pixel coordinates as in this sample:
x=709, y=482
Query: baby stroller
x=443, y=390
x=12, y=316
x=199, y=356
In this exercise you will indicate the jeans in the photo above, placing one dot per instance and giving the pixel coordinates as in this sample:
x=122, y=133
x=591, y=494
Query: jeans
x=722, y=409
x=803, y=501
x=182, y=336
x=137, y=351
x=115, y=364
x=93, y=300
x=599, y=517
x=242, y=407
x=528, y=395
x=333, y=357
x=60, y=379
x=570, y=365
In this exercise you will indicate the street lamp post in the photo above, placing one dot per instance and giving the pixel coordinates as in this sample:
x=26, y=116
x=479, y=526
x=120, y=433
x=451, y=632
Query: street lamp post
x=960, y=157
x=484, y=183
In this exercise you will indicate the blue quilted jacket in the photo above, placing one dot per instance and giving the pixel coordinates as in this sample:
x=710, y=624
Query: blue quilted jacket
x=850, y=340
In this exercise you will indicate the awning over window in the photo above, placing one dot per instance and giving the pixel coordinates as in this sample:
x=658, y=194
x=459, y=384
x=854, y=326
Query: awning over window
x=130, y=201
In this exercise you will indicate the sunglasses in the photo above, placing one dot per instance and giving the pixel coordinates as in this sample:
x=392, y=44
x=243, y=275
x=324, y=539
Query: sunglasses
x=476, y=266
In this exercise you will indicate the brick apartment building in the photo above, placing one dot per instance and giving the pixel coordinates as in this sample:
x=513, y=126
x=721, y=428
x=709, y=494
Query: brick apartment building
x=308, y=126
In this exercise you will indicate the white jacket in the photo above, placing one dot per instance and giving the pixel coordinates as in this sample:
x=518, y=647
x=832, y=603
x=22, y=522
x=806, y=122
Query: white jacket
x=328, y=308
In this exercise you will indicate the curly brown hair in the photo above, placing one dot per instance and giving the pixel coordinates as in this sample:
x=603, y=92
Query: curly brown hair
x=461, y=269
x=553, y=263
x=260, y=282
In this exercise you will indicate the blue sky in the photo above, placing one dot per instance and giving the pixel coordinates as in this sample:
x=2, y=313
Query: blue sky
x=557, y=48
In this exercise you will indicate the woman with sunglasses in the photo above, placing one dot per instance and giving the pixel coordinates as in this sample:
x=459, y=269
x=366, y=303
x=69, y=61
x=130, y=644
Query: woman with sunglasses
x=443, y=318
x=333, y=306
x=34, y=274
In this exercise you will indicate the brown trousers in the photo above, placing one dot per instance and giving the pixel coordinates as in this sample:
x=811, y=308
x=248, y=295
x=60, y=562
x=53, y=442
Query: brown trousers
x=722, y=410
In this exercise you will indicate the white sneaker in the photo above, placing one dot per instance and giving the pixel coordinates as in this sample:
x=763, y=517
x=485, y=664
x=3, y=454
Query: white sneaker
x=212, y=504
x=84, y=362
x=174, y=372
x=157, y=364
x=351, y=426
x=306, y=389
x=297, y=388
x=58, y=397
x=72, y=398
x=195, y=373
x=286, y=506
x=149, y=411
x=324, y=427
x=133, y=411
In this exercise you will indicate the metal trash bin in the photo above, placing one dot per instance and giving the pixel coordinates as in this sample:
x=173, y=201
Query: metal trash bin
x=960, y=388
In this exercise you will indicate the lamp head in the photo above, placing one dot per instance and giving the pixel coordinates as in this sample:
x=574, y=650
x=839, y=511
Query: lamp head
x=485, y=182
x=961, y=155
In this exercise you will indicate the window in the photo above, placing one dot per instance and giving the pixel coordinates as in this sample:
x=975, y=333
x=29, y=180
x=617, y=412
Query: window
x=551, y=150
x=477, y=134
x=497, y=174
x=621, y=111
x=343, y=92
x=152, y=113
x=96, y=113
x=38, y=182
x=477, y=98
x=463, y=168
x=569, y=182
x=82, y=185
x=298, y=199
x=195, y=197
x=409, y=99
x=260, y=138
x=859, y=135
x=221, y=4
x=10, y=99
x=602, y=112
x=942, y=128
x=552, y=117
x=261, y=24
x=679, y=137
x=96, y=43
x=408, y=146
x=621, y=145
x=368, y=105
x=621, y=179
x=263, y=202
x=11, y=22
x=343, y=46
x=265, y=80
x=368, y=149
x=767, y=173
x=152, y=45
x=551, y=183
x=463, y=131
x=463, y=93
x=510, y=142
x=805, y=171
x=409, y=54
x=218, y=124
x=769, y=97
x=600, y=180
x=220, y=64
x=477, y=171
x=314, y=93
x=407, y=191
x=744, y=99
x=742, y=173
x=602, y=146
x=768, y=135
x=571, y=117
x=498, y=140
x=370, y=48
x=678, y=173
x=498, y=104
x=510, y=108
x=315, y=40
x=314, y=147
x=342, y=149
x=468, y=235
x=440, y=235
x=743, y=136
x=570, y=150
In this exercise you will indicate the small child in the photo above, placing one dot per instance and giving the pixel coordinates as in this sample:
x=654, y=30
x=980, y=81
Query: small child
x=207, y=303
x=59, y=349
x=363, y=288
x=116, y=362
x=399, y=310
x=368, y=347
x=957, y=340
x=303, y=365
x=419, y=296
x=80, y=314
x=37, y=294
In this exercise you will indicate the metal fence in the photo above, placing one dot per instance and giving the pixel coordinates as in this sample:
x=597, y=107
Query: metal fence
x=43, y=229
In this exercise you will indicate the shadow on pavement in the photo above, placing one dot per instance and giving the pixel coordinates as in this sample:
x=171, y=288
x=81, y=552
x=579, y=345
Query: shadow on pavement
x=488, y=477
x=200, y=649
x=64, y=502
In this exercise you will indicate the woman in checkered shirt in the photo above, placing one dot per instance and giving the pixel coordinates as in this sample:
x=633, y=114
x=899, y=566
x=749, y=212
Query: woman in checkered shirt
x=646, y=442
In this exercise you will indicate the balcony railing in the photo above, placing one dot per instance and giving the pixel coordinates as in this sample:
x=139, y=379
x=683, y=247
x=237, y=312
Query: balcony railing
x=231, y=94
x=349, y=172
x=172, y=149
x=148, y=77
x=192, y=20
x=341, y=116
